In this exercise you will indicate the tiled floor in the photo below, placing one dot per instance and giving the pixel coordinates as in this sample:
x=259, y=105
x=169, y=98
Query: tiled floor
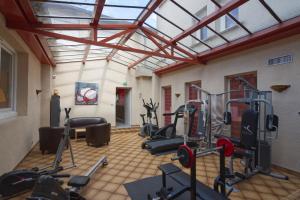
x=128, y=162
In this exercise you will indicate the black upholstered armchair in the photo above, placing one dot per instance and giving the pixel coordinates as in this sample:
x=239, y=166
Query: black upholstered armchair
x=50, y=138
x=98, y=135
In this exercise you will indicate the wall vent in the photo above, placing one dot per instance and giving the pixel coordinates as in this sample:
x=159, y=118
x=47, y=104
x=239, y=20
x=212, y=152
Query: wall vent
x=281, y=60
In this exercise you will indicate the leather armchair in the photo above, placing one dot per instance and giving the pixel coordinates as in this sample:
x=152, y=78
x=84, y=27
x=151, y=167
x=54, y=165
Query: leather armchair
x=98, y=135
x=50, y=138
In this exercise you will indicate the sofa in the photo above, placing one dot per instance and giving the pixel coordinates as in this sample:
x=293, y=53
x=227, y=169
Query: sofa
x=97, y=129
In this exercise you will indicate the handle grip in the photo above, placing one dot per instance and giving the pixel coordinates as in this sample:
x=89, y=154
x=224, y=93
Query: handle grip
x=67, y=111
x=61, y=175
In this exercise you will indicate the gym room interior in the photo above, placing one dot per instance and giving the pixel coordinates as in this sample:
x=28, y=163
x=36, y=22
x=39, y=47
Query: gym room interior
x=149, y=99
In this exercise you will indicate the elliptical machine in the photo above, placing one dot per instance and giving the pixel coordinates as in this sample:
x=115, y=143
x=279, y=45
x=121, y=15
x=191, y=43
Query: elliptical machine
x=18, y=181
x=148, y=127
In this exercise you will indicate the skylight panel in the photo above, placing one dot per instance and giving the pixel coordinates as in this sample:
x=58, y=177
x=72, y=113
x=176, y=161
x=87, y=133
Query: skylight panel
x=120, y=13
x=142, y=3
x=52, y=9
x=285, y=9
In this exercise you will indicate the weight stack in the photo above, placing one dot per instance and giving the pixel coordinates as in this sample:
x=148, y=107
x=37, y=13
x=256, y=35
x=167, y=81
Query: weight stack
x=265, y=156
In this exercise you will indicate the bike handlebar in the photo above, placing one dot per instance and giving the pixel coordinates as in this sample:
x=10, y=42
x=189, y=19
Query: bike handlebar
x=67, y=111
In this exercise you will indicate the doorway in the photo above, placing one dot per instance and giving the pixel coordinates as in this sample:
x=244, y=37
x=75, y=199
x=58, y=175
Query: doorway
x=237, y=109
x=167, y=106
x=191, y=93
x=123, y=107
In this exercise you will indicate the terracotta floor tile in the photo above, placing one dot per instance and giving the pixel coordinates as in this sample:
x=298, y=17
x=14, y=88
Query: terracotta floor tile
x=128, y=162
x=102, y=195
x=110, y=187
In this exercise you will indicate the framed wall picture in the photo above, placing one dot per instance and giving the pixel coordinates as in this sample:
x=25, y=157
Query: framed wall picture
x=86, y=93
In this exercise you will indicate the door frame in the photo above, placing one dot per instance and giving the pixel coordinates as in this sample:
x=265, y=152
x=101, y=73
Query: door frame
x=227, y=85
x=130, y=105
x=162, y=121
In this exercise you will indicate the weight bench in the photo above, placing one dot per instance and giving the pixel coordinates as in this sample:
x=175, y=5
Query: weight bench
x=174, y=172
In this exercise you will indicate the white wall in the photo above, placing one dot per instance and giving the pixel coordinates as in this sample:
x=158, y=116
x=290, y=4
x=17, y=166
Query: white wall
x=109, y=76
x=18, y=134
x=286, y=104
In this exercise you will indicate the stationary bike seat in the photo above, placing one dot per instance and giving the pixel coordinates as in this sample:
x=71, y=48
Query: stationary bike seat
x=78, y=181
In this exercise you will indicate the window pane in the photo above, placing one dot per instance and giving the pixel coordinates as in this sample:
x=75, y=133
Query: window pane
x=120, y=13
x=55, y=9
x=5, y=80
x=142, y=3
x=203, y=33
x=228, y=21
x=285, y=9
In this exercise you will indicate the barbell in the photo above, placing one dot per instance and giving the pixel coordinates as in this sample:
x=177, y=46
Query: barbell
x=186, y=156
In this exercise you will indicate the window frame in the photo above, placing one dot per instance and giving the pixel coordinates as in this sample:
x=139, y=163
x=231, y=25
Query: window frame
x=10, y=111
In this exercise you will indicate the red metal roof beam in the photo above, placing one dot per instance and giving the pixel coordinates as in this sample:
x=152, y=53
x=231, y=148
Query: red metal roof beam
x=99, y=43
x=98, y=11
x=73, y=26
x=210, y=18
x=205, y=21
x=276, y=32
x=170, y=43
x=156, y=43
x=26, y=9
x=97, y=14
x=141, y=20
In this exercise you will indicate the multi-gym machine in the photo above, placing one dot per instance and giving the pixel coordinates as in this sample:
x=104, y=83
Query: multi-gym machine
x=210, y=116
x=259, y=127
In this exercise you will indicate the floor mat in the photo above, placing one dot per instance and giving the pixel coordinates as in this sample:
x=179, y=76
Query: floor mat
x=138, y=190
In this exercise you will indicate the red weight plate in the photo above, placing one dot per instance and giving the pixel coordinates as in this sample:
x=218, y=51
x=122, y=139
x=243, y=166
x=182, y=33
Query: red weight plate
x=229, y=147
x=186, y=157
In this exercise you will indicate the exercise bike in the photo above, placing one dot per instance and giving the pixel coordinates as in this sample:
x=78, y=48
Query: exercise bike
x=148, y=127
x=49, y=187
x=18, y=181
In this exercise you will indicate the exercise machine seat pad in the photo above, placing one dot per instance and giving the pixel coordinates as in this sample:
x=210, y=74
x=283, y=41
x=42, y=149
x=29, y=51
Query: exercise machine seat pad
x=203, y=191
x=78, y=181
x=163, y=145
x=169, y=168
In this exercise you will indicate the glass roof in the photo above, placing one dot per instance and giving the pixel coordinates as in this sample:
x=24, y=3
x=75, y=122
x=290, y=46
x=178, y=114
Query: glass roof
x=142, y=3
x=62, y=10
x=238, y=23
x=120, y=13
